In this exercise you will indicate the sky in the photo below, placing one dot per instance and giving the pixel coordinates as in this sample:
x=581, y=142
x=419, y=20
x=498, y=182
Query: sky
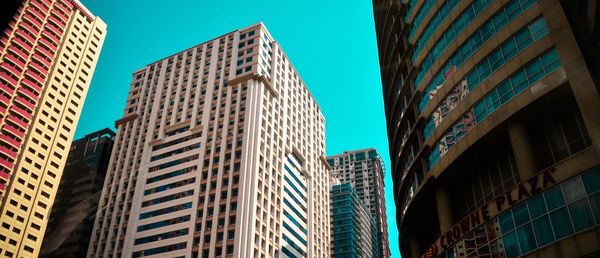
x=331, y=43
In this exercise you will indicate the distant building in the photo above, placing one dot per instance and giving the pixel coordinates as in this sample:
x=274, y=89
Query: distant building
x=48, y=54
x=364, y=170
x=72, y=217
x=493, y=118
x=220, y=153
x=353, y=229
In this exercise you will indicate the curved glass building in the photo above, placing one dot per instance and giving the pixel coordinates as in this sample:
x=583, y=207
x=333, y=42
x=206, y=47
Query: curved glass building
x=493, y=119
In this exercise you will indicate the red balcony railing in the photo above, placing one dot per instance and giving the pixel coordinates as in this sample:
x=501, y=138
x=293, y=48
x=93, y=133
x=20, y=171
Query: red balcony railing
x=38, y=67
x=25, y=35
x=18, y=52
x=19, y=65
x=26, y=103
x=14, y=71
x=6, y=89
x=22, y=43
x=5, y=100
x=11, y=141
x=22, y=112
x=31, y=84
x=32, y=96
x=28, y=27
x=40, y=6
x=6, y=76
x=8, y=152
x=17, y=121
x=14, y=131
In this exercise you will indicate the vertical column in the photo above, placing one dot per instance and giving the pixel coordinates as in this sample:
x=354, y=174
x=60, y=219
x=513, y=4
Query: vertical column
x=522, y=150
x=415, y=247
x=442, y=203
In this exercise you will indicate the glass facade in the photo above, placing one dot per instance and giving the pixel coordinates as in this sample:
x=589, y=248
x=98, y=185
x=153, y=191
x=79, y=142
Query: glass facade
x=506, y=90
x=560, y=212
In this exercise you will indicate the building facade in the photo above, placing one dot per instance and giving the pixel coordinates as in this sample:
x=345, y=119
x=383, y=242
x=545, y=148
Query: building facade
x=353, y=228
x=220, y=152
x=364, y=170
x=48, y=54
x=494, y=125
x=72, y=218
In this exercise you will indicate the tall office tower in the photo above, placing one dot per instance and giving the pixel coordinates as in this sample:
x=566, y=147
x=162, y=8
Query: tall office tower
x=48, y=55
x=72, y=218
x=364, y=170
x=220, y=153
x=493, y=112
x=353, y=229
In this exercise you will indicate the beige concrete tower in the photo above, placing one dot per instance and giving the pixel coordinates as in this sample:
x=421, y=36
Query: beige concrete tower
x=220, y=153
x=48, y=56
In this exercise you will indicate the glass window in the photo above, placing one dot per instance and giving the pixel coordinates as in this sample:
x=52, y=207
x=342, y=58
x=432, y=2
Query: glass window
x=591, y=181
x=554, y=198
x=581, y=214
x=537, y=207
x=511, y=245
x=506, y=222
x=561, y=223
x=534, y=71
x=543, y=231
x=526, y=238
x=573, y=189
x=595, y=202
x=521, y=215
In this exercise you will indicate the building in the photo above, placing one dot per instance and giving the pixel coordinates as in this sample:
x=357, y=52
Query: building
x=220, y=152
x=72, y=218
x=353, y=229
x=364, y=170
x=493, y=119
x=48, y=55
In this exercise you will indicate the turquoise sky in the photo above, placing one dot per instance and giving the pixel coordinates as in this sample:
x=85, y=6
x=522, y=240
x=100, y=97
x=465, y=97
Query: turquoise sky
x=331, y=43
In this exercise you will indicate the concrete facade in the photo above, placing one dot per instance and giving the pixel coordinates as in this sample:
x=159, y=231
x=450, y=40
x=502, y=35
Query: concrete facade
x=220, y=153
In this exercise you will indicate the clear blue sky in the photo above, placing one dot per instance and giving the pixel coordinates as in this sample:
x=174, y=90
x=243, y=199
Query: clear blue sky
x=331, y=43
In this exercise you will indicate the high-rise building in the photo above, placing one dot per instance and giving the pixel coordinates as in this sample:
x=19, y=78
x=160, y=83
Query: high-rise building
x=353, y=229
x=220, y=153
x=493, y=119
x=364, y=170
x=72, y=218
x=48, y=55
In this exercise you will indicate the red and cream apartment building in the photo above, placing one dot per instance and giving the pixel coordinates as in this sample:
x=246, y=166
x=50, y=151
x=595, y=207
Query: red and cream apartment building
x=48, y=54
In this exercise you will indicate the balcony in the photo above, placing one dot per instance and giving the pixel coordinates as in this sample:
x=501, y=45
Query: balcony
x=56, y=21
x=7, y=78
x=11, y=141
x=47, y=43
x=15, y=61
x=14, y=131
x=26, y=26
x=39, y=6
x=51, y=36
x=29, y=83
x=22, y=43
x=8, y=152
x=38, y=67
x=4, y=175
x=25, y=103
x=17, y=121
x=18, y=52
x=26, y=36
x=36, y=77
x=5, y=100
x=11, y=69
x=29, y=17
x=61, y=15
x=42, y=60
x=29, y=94
x=36, y=13
x=55, y=30
x=24, y=113
x=6, y=89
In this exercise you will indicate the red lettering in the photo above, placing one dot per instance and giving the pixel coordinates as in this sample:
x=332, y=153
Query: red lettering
x=523, y=194
x=485, y=213
x=442, y=242
x=499, y=201
x=475, y=220
x=449, y=237
x=464, y=225
x=533, y=183
x=456, y=232
x=548, y=179
x=511, y=202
